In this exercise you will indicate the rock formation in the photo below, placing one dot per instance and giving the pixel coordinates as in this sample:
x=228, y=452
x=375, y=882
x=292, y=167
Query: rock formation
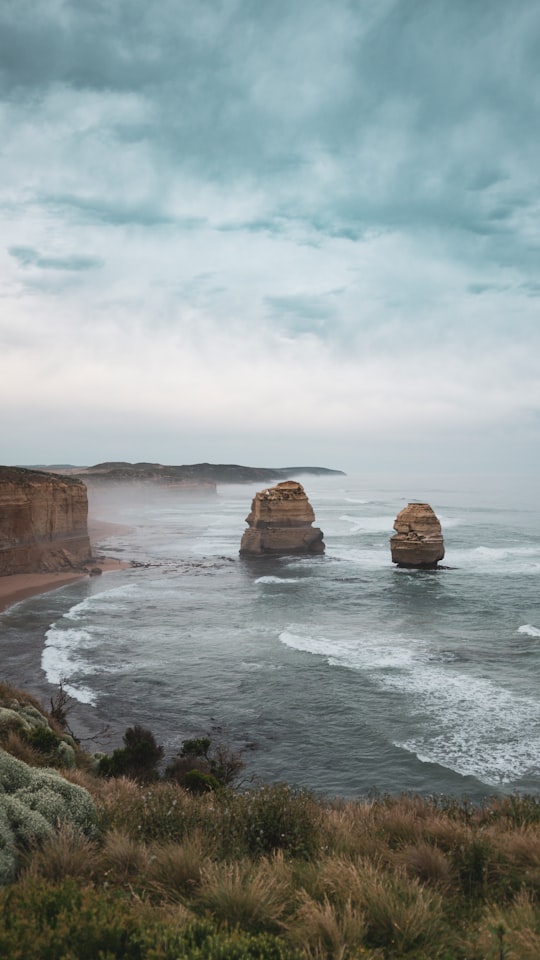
x=280, y=522
x=43, y=522
x=418, y=542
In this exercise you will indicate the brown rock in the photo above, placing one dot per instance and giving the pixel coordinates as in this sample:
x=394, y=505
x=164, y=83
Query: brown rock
x=43, y=522
x=419, y=540
x=280, y=522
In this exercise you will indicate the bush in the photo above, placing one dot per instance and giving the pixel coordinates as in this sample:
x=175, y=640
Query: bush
x=34, y=802
x=200, y=768
x=64, y=921
x=137, y=759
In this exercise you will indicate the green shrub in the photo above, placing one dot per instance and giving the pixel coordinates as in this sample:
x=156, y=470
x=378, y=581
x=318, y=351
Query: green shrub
x=201, y=767
x=272, y=818
x=199, y=782
x=65, y=922
x=137, y=759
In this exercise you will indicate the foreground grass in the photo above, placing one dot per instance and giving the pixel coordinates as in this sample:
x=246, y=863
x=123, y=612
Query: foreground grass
x=275, y=874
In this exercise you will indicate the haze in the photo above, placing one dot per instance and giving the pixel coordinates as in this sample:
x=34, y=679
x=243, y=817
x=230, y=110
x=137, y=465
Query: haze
x=271, y=233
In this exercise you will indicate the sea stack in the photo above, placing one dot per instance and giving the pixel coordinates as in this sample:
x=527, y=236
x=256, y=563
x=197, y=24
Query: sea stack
x=280, y=522
x=418, y=542
x=43, y=522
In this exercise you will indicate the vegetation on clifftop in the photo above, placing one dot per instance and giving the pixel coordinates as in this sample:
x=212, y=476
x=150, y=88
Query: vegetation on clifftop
x=154, y=871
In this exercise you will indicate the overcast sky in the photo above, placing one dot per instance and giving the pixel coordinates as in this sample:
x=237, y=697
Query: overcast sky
x=271, y=232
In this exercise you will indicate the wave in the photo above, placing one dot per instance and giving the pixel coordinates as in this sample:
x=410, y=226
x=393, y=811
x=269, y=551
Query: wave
x=507, y=560
x=80, y=610
x=61, y=660
x=467, y=724
x=529, y=630
x=270, y=579
x=370, y=524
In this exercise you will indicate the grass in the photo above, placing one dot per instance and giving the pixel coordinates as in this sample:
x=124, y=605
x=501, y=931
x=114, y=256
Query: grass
x=275, y=874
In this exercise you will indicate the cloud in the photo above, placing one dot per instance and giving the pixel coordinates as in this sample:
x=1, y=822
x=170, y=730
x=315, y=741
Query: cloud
x=218, y=210
x=28, y=257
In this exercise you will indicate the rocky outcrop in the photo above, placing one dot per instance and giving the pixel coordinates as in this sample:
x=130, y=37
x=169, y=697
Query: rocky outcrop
x=418, y=542
x=280, y=522
x=43, y=522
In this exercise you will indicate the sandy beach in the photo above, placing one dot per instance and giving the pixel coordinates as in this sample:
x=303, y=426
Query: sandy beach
x=19, y=586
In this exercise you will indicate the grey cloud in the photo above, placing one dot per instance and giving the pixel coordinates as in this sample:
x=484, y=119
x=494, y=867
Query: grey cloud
x=28, y=257
x=303, y=313
x=108, y=210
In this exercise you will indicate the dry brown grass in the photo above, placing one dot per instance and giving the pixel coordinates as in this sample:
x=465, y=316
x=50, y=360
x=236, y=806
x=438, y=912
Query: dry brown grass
x=351, y=832
x=511, y=933
x=427, y=863
x=18, y=747
x=326, y=930
x=66, y=855
x=8, y=692
x=244, y=894
x=175, y=870
x=122, y=860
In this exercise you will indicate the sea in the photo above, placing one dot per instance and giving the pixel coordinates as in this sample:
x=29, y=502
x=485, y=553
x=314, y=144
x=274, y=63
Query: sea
x=339, y=673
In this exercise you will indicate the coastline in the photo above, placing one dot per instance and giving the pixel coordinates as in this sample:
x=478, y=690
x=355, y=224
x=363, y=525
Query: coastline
x=20, y=586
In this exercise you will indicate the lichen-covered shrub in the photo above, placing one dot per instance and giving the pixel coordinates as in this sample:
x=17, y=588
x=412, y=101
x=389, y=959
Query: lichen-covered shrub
x=33, y=802
x=27, y=732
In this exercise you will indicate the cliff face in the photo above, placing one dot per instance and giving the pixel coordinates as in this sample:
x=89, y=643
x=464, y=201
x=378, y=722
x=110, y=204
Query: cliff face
x=43, y=522
x=418, y=541
x=280, y=522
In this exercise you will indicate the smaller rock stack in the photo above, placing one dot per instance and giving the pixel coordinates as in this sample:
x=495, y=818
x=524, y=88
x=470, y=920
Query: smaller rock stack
x=280, y=522
x=418, y=542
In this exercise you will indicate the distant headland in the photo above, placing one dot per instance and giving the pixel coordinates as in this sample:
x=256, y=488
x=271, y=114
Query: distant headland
x=194, y=473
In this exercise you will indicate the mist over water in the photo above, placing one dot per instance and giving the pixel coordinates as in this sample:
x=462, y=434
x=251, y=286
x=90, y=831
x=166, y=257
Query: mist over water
x=339, y=672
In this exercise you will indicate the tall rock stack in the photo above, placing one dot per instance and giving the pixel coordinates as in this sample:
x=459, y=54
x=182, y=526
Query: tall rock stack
x=43, y=522
x=280, y=522
x=418, y=542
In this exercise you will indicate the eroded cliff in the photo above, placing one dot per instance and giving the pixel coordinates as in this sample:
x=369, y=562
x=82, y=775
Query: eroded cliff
x=418, y=542
x=43, y=522
x=280, y=522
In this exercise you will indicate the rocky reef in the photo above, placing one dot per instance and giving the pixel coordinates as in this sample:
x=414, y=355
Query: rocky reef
x=418, y=542
x=43, y=522
x=280, y=522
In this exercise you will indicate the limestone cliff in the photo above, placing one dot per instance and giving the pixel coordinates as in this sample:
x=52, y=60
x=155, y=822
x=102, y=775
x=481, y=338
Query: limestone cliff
x=280, y=522
x=418, y=542
x=43, y=522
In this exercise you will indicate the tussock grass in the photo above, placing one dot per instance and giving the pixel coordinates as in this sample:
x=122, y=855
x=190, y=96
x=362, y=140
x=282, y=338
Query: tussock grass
x=66, y=855
x=122, y=860
x=175, y=870
x=325, y=929
x=244, y=894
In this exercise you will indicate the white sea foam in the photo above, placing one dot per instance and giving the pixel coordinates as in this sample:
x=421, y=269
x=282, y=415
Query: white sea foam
x=80, y=610
x=508, y=560
x=371, y=559
x=61, y=660
x=280, y=580
x=529, y=630
x=370, y=524
x=465, y=723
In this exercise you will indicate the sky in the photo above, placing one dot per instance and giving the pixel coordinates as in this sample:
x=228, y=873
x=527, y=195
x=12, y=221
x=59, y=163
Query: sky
x=271, y=232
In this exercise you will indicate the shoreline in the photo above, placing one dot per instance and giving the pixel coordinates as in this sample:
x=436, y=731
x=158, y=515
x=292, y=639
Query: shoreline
x=21, y=586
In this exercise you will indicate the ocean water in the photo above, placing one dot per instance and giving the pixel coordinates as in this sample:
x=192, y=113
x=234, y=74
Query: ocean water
x=340, y=673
